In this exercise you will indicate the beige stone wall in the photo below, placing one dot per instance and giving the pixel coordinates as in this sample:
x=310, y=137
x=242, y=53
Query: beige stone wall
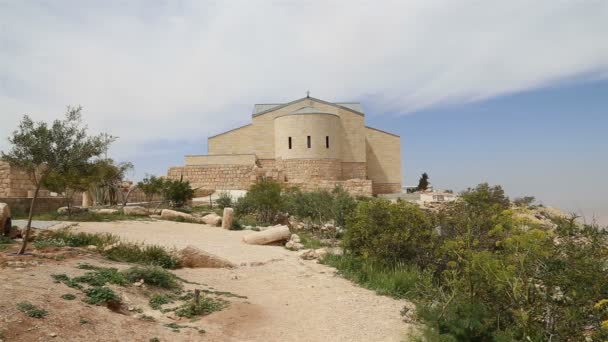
x=222, y=159
x=21, y=205
x=299, y=127
x=14, y=182
x=354, y=171
x=383, y=158
x=355, y=187
x=386, y=188
x=266, y=163
x=259, y=137
x=305, y=170
x=225, y=177
x=5, y=181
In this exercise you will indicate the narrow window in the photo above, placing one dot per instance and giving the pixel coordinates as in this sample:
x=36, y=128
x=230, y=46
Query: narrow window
x=308, y=141
x=326, y=141
x=289, y=142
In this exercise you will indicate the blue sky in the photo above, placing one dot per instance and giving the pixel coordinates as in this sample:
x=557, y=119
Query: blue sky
x=509, y=92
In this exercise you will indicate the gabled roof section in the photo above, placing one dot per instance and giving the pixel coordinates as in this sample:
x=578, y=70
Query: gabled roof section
x=381, y=131
x=307, y=110
x=260, y=109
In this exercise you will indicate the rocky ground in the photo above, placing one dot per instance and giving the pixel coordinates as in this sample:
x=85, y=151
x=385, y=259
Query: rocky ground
x=287, y=298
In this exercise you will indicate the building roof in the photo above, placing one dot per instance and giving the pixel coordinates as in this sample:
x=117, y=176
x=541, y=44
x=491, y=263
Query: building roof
x=307, y=110
x=259, y=109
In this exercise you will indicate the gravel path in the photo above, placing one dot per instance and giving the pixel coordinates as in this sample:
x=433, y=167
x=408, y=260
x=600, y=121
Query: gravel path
x=289, y=299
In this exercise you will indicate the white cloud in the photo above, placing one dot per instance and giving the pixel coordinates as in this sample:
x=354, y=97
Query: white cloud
x=183, y=70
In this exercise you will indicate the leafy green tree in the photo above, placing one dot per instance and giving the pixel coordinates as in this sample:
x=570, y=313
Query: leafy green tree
x=423, y=183
x=263, y=199
x=486, y=197
x=224, y=200
x=76, y=178
x=151, y=186
x=108, y=178
x=179, y=192
x=42, y=149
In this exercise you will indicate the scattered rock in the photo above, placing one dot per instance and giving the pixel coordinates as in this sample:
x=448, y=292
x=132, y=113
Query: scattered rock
x=135, y=211
x=212, y=219
x=53, y=334
x=277, y=233
x=105, y=211
x=295, y=238
x=196, y=258
x=294, y=246
x=73, y=210
x=92, y=247
x=311, y=254
x=139, y=283
x=108, y=247
x=131, y=308
x=321, y=253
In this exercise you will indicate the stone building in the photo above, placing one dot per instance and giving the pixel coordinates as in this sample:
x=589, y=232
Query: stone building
x=308, y=142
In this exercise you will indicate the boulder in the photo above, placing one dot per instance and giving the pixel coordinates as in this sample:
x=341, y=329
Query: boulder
x=294, y=246
x=5, y=219
x=135, y=211
x=277, y=233
x=212, y=219
x=228, y=218
x=73, y=210
x=295, y=238
x=311, y=254
x=169, y=214
x=105, y=211
x=196, y=258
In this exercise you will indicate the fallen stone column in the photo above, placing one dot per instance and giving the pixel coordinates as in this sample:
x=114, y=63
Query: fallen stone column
x=278, y=233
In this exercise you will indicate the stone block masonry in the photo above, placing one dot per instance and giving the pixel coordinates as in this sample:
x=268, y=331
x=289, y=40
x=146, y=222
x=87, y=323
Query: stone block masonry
x=217, y=177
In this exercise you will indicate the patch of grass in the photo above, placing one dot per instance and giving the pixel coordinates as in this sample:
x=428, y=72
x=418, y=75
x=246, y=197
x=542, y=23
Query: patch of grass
x=309, y=241
x=68, y=296
x=174, y=326
x=65, y=237
x=100, y=295
x=31, y=310
x=143, y=254
x=205, y=306
x=148, y=318
x=153, y=275
x=63, y=278
x=224, y=293
x=157, y=301
x=5, y=240
x=154, y=339
x=39, y=244
x=399, y=281
x=102, y=276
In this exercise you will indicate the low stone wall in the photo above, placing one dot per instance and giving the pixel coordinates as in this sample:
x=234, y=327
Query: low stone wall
x=43, y=204
x=354, y=170
x=386, y=188
x=219, y=177
x=355, y=187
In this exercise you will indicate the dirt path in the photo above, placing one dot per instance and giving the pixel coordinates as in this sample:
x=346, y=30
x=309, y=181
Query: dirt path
x=288, y=299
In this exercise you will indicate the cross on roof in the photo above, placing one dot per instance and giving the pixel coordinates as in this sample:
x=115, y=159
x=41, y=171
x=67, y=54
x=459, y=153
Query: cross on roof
x=308, y=93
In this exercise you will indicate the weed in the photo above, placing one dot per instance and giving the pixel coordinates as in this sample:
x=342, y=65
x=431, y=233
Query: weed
x=153, y=275
x=99, y=295
x=205, y=306
x=154, y=339
x=65, y=237
x=101, y=276
x=158, y=300
x=68, y=296
x=147, y=318
x=84, y=321
x=63, y=278
x=39, y=244
x=140, y=254
x=31, y=310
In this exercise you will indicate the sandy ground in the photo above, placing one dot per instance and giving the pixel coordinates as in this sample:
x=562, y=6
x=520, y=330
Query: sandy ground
x=288, y=299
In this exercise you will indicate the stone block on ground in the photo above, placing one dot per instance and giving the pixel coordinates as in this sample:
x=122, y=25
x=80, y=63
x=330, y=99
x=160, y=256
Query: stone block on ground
x=212, y=219
x=105, y=211
x=73, y=210
x=275, y=234
x=135, y=211
x=196, y=258
x=169, y=214
x=5, y=219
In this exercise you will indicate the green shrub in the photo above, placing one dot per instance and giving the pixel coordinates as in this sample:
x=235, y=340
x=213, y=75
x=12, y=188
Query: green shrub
x=155, y=276
x=142, y=254
x=151, y=186
x=39, y=244
x=102, y=276
x=65, y=237
x=68, y=296
x=224, y=200
x=263, y=200
x=390, y=233
x=179, y=192
x=31, y=310
x=100, y=295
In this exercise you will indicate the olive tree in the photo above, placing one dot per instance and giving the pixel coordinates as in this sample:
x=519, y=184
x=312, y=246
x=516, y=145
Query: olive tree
x=42, y=149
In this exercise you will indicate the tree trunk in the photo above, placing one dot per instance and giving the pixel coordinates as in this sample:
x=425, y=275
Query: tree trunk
x=29, y=220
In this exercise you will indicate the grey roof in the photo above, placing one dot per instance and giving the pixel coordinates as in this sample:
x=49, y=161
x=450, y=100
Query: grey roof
x=267, y=107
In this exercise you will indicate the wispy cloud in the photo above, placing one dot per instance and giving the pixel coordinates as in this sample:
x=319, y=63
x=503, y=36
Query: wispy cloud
x=153, y=70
